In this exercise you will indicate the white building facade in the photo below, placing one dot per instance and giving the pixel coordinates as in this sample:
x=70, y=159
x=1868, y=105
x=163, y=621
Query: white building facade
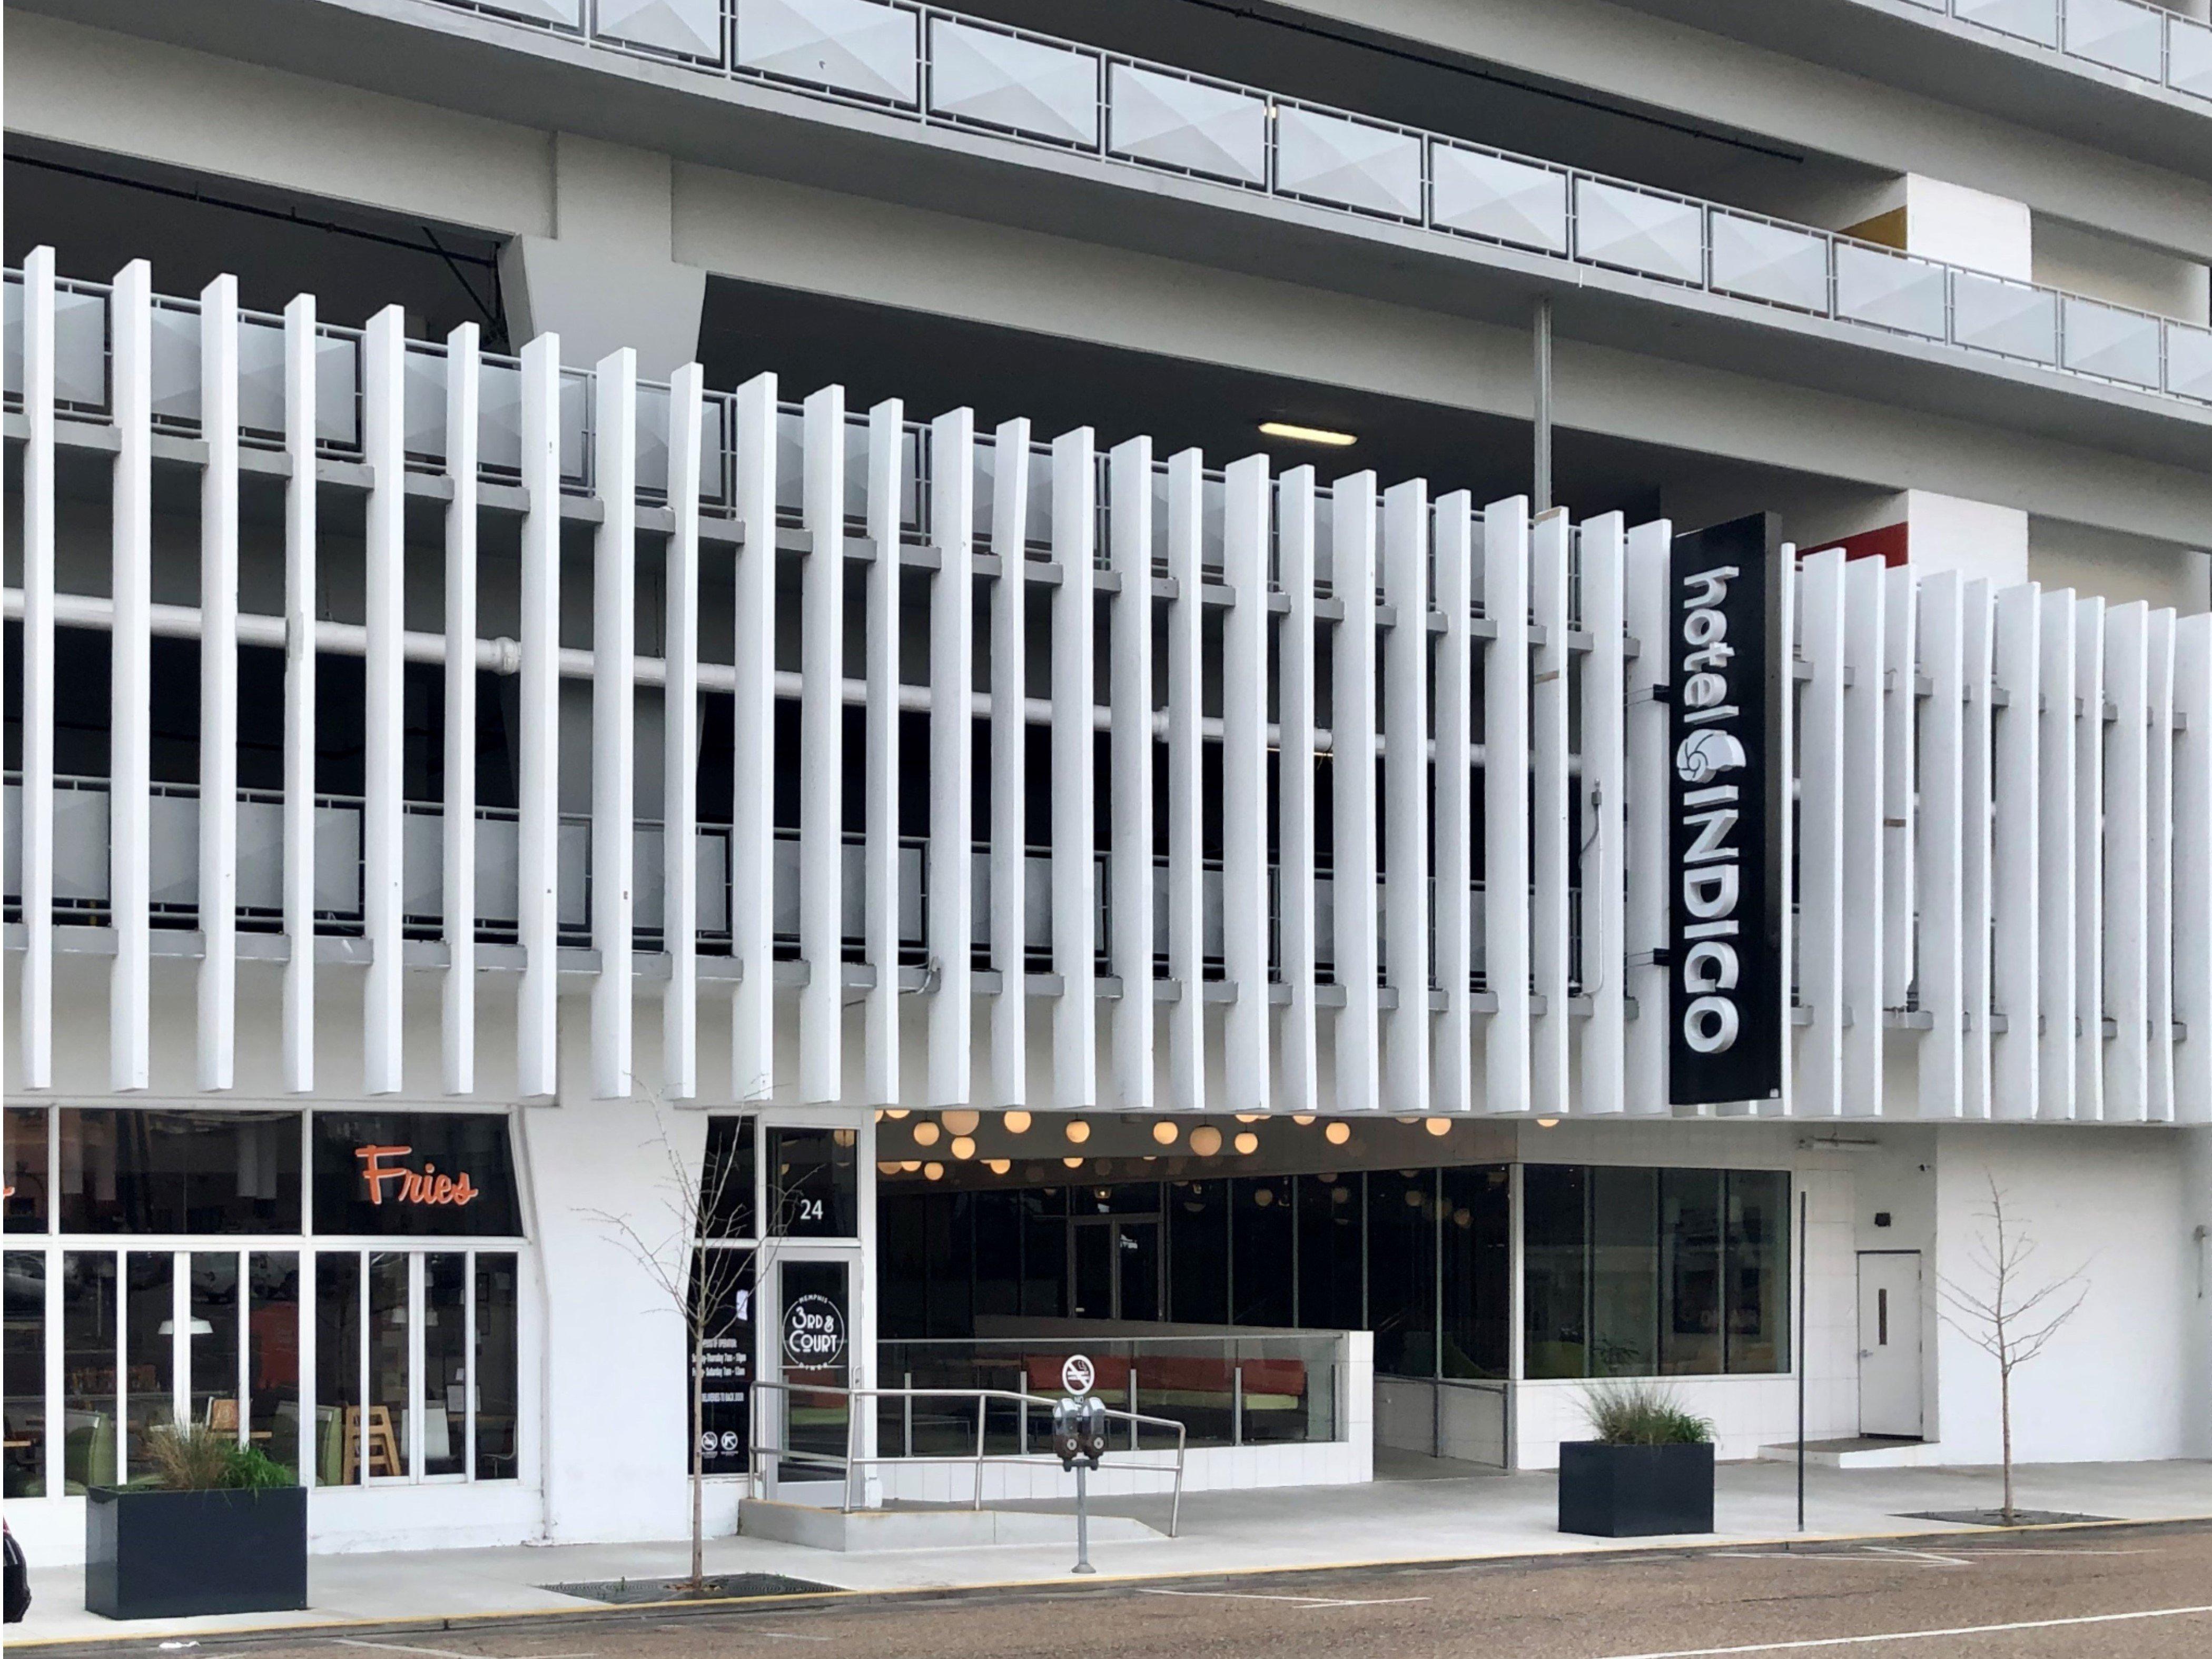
x=663, y=643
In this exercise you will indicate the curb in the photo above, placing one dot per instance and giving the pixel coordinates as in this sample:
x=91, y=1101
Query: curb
x=592, y=1612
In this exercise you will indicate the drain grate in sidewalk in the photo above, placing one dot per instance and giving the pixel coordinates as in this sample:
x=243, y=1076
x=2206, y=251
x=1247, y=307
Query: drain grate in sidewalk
x=1996, y=1517
x=715, y=1587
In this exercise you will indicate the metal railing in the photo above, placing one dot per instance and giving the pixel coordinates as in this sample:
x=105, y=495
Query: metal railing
x=943, y=69
x=852, y=1464
x=2148, y=42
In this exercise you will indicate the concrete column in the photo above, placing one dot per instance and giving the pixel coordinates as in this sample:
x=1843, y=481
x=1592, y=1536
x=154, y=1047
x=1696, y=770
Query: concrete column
x=606, y=278
x=1950, y=223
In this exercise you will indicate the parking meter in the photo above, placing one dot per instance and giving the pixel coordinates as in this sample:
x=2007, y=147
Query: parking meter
x=1079, y=1432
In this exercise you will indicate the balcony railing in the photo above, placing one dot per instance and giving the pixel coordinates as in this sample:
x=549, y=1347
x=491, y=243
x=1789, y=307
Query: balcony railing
x=2148, y=42
x=81, y=892
x=941, y=68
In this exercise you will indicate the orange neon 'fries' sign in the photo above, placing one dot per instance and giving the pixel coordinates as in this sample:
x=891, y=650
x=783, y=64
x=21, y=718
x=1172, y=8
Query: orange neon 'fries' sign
x=424, y=1186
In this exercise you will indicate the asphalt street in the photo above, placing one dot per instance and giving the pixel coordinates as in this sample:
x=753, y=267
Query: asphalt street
x=2141, y=1592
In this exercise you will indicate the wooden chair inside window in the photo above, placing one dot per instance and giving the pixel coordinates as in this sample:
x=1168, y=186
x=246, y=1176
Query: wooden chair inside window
x=222, y=1416
x=383, y=1444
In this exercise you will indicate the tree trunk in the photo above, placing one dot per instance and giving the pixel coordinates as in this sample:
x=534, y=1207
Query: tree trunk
x=2004, y=1412
x=699, y=1460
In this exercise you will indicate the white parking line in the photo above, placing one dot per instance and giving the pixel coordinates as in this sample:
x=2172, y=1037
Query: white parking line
x=1304, y=1603
x=1920, y=1635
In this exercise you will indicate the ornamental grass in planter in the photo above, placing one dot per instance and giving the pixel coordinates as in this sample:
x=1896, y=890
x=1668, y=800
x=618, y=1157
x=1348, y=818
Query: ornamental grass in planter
x=214, y=1527
x=1648, y=1471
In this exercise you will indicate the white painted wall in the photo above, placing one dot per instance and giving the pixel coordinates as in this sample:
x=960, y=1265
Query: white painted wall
x=2109, y=1203
x=1970, y=227
x=2197, y=1286
x=2130, y=274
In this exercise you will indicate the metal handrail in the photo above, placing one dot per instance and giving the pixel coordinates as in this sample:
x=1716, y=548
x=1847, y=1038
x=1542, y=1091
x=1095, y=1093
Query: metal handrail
x=852, y=1461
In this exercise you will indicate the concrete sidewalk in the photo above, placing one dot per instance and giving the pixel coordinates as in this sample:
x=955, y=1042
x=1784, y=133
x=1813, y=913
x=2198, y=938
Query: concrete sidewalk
x=1453, y=1517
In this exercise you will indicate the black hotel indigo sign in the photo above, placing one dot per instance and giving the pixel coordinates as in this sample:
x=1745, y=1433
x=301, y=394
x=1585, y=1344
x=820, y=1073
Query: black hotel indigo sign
x=1726, y=806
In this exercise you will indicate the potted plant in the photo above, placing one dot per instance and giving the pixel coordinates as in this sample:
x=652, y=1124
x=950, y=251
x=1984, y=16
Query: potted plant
x=1648, y=1471
x=214, y=1527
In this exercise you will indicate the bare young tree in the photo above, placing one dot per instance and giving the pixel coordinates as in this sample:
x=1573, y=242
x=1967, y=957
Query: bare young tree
x=700, y=1283
x=2008, y=1315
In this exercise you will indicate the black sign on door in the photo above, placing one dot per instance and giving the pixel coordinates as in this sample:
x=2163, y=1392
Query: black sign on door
x=1726, y=806
x=724, y=1424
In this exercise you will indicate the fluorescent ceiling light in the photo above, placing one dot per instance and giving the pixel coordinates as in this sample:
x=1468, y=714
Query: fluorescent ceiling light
x=1308, y=434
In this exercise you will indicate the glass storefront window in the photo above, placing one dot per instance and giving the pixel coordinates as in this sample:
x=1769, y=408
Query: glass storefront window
x=1689, y=1272
x=1624, y=1273
x=1044, y=1254
x=444, y=1394
x=1757, y=1271
x=814, y=1189
x=337, y=1368
x=1198, y=1252
x=998, y=1254
x=90, y=1325
x=25, y=1158
x=1262, y=1224
x=1553, y=1269
x=390, y=1341
x=127, y=1170
x=383, y=1175
x=24, y=1366
x=1477, y=1216
x=272, y=1354
x=725, y=1180
x=211, y=1384
x=1401, y=1270
x=495, y=1396
x=1332, y=1225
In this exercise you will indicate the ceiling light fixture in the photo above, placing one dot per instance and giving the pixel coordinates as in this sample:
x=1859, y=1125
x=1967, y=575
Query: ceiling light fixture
x=1307, y=434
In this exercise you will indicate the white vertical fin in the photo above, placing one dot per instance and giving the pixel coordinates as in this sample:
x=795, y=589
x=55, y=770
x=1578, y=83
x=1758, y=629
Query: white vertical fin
x=218, y=849
x=2016, y=830
x=1244, y=791
x=1551, y=818
x=1452, y=1062
x=1600, y=824
x=1941, y=843
x=1865, y=708
x=952, y=756
x=458, y=838
x=35, y=1060
x=1352, y=767
x=1010, y=513
x=1074, y=828
x=2089, y=858
x=2157, y=859
x=384, y=714
x=2192, y=868
x=129, y=789
x=883, y=855
x=614, y=720
x=679, y=765
x=2059, y=764
x=300, y=611
x=1129, y=739
x=1406, y=792
x=822, y=745
x=1298, y=1033
x=1977, y=672
x=1820, y=851
x=1644, y=589
x=2126, y=803
x=539, y=696
x=1185, y=638
x=752, y=807
x=1900, y=893
x=1507, y=1054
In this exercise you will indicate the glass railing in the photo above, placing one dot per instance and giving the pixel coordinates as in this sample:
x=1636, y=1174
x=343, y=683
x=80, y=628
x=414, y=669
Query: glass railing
x=941, y=68
x=1224, y=1390
x=2148, y=42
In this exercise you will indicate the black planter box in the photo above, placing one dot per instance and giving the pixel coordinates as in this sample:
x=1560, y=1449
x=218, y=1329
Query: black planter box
x=169, y=1554
x=1635, y=1491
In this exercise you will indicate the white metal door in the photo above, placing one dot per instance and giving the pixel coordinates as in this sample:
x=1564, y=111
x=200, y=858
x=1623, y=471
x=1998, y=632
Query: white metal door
x=1889, y=1343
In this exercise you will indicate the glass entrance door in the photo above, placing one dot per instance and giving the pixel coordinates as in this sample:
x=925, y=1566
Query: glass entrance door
x=813, y=1349
x=1115, y=1265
